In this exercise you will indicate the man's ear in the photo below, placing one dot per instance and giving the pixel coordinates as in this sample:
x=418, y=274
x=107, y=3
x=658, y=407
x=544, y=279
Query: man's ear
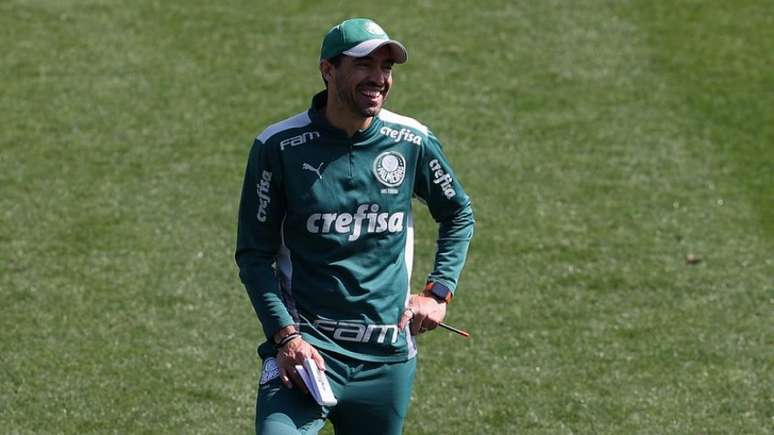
x=326, y=70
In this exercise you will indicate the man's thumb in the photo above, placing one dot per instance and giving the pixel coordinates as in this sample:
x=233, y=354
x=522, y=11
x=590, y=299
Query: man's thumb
x=318, y=359
x=406, y=318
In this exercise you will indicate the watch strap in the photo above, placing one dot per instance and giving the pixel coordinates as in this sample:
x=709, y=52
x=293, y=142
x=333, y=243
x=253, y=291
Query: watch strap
x=438, y=291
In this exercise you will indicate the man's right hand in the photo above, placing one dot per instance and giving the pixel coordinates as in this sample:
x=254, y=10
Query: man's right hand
x=294, y=353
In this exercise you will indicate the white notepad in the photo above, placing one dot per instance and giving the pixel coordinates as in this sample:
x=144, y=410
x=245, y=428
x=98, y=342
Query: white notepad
x=316, y=382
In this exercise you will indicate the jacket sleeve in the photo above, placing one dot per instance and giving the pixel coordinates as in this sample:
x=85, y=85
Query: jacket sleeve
x=440, y=189
x=261, y=211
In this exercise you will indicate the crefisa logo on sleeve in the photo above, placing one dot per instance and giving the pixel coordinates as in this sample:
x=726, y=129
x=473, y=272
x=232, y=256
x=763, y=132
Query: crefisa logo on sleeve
x=442, y=179
x=264, y=199
x=390, y=170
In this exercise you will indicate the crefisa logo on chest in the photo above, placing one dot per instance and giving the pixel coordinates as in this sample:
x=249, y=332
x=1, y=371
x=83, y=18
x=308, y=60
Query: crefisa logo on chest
x=390, y=170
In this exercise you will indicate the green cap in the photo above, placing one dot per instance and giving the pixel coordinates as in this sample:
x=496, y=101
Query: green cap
x=358, y=37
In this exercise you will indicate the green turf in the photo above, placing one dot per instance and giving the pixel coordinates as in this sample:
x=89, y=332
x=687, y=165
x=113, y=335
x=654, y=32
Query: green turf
x=601, y=141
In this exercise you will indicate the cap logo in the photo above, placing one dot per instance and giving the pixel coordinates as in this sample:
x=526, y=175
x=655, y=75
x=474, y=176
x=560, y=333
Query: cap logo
x=374, y=29
x=390, y=168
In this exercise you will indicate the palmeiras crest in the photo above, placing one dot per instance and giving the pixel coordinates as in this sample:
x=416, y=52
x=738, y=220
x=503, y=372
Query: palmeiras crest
x=390, y=168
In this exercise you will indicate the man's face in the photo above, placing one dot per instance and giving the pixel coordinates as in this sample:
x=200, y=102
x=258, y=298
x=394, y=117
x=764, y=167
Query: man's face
x=361, y=84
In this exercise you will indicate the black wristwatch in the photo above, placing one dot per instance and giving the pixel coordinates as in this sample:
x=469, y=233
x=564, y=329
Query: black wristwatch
x=438, y=291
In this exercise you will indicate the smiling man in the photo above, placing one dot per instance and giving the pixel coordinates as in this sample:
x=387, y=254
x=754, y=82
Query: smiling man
x=325, y=243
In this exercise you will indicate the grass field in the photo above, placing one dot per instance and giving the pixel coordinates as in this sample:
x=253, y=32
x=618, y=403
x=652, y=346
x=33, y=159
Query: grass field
x=601, y=141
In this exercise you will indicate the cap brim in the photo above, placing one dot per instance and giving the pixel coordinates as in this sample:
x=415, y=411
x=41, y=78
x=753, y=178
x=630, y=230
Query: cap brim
x=366, y=47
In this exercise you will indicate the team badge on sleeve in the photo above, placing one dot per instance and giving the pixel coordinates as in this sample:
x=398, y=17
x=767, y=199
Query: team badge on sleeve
x=390, y=168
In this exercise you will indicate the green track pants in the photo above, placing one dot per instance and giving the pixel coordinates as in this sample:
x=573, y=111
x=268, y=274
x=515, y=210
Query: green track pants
x=373, y=398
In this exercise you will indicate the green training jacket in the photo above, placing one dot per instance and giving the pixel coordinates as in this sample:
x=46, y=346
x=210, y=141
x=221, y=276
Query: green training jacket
x=325, y=237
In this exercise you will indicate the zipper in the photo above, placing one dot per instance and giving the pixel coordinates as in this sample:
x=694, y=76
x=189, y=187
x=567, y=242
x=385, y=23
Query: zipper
x=351, y=160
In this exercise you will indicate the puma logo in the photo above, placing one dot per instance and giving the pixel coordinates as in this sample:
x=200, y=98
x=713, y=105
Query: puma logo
x=316, y=170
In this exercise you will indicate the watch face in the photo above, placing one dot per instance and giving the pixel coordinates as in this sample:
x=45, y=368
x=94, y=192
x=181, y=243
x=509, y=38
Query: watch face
x=441, y=292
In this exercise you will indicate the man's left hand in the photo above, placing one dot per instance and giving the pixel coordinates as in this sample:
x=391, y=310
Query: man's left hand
x=423, y=313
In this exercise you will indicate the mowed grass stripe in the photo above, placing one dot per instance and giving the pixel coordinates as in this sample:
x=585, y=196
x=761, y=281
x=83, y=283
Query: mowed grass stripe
x=725, y=86
x=559, y=212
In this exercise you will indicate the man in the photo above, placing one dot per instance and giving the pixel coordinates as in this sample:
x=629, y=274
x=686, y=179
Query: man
x=325, y=243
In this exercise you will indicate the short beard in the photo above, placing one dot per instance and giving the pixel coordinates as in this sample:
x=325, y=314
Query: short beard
x=348, y=100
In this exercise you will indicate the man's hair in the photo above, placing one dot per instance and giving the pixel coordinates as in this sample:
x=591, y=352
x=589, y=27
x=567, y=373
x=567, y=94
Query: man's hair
x=335, y=61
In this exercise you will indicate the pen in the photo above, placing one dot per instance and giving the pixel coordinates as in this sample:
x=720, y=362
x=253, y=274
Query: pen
x=455, y=330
